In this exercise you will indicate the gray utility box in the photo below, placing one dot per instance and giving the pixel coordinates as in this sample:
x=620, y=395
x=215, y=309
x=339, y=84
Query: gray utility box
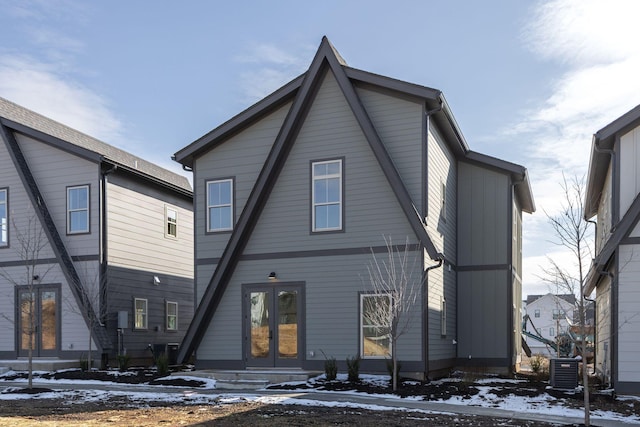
x=563, y=373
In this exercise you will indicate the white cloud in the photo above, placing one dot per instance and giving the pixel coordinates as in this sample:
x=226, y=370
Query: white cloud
x=271, y=67
x=597, y=45
x=41, y=88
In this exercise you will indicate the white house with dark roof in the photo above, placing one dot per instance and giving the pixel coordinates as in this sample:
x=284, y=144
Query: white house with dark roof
x=612, y=196
x=292, y=195
x=116, y=237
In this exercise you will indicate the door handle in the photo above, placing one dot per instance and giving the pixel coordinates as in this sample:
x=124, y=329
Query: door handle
x=270, y=334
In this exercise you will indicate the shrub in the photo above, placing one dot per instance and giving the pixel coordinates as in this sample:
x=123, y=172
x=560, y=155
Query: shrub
x=331, y=368
x=123, y=362
x=539, y=366
x=162, y=363
x=84, y=364
x=353, y=368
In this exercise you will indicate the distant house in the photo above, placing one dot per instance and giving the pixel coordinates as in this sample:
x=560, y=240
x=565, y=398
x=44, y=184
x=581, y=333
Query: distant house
x=116, y=236
x=293, y=194
x=612, y=196
x=551, y=315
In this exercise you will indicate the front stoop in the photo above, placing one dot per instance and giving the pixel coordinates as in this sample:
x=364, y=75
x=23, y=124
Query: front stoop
x=253, y=379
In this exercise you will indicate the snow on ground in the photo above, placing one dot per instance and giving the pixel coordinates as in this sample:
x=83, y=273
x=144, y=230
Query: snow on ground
x=487, y=396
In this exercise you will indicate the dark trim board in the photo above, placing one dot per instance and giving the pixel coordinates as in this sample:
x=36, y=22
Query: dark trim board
x=485, y=362
x=45, y=261
x=627, y=387
x=488, y=267
x=312, y=253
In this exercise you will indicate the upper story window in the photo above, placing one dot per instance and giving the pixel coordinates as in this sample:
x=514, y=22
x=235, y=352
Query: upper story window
x=558, y=314
x=140, y=306
x=327, y=195
x=536, y=312
x=78, y=209
x=220, y=205
x=171, y=227
x=4, y=217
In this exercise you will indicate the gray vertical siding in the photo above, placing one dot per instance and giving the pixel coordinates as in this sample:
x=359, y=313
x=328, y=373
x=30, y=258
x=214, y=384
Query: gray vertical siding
x=485, y=281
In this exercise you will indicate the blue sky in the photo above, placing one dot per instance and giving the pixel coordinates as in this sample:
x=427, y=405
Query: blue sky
x=527, y=81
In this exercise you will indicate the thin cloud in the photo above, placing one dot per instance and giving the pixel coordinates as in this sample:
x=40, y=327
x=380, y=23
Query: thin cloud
x=271, y=67
x=39, y=87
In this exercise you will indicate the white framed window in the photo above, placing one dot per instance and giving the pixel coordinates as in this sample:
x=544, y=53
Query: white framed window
x=78, y=209
x=552, y=332
x=141, y=314
x=443, y=316
x=558, y=314
x=4, y=217
x=536, y=312
x=326, y=188
x=172, y=315
x=220, y=205
x=171, y=226
x=375, y=322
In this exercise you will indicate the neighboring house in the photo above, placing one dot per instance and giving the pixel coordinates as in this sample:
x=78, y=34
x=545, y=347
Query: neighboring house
x=117, y=244
x=612, y=192
x=293, y=194
x=551, y=315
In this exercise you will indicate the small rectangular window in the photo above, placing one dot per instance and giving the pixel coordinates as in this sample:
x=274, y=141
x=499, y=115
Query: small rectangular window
x=171, y=228
x=140, y=306
x=4, y=217
x=552, y=332
x=172, y=316
x=220, y=205
x=78, y=209
x=375, y=322
x=536, y=313
x=326, y=196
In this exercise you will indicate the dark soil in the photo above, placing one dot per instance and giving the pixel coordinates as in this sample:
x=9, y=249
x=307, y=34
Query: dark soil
x=119, y=410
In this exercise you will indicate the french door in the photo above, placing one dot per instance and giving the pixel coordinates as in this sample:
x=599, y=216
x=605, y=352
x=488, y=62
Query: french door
x=273, y=318
x=38, y=320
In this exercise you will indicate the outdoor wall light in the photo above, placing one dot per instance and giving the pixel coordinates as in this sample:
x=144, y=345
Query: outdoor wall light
x=272, y=275
x=156, y=280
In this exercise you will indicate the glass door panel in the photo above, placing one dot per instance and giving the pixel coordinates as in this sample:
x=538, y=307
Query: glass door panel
x=27, y=320
x=48, y=322
x=288, y=324
x=260, y=325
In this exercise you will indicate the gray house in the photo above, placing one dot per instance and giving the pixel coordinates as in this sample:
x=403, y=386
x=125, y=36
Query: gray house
x=292, y=196
x=613, y=187
x=114, y=237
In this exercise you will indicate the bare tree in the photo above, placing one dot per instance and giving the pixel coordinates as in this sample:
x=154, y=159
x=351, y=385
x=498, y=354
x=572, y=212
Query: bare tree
x=391, y=307
x=30, y=241
x=573, y=233
x=93, y=308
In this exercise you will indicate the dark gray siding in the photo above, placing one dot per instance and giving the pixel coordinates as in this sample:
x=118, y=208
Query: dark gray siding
x=127, y=284
x=485, y=281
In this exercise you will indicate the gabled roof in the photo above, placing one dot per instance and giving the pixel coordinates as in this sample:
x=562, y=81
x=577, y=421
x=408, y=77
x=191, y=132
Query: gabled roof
x=519, y=177
x=602, y=143
x=301, y=93
x=570, y=298
x=32, y=124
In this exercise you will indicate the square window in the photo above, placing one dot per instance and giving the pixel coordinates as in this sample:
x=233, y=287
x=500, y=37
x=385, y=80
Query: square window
x=220, y=205
x=375, y=322
x=140, y=309
x=171, y=228
x=172, y=316
x=78, y=209
x=327, y=195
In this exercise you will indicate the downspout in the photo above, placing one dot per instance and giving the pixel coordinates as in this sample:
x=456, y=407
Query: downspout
x=614, y=213
x=103, y=239
x=425, y=156
x=425, y=327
